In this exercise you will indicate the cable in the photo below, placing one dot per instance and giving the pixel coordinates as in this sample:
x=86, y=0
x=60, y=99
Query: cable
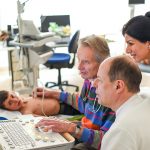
x=43, y=97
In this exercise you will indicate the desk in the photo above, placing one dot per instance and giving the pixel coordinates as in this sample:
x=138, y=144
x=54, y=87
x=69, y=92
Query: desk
x=63, y=42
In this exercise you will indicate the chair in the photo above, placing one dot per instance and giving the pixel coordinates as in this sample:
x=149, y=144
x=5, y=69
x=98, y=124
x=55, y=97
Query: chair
x=62, y=60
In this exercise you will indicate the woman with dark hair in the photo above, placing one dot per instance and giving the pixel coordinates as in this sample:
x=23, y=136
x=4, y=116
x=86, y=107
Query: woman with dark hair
x=137, y=36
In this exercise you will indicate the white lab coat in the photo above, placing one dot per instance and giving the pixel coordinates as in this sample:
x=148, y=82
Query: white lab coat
x=131, y=129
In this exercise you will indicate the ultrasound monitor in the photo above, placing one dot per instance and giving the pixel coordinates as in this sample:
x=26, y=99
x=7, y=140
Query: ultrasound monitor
x=60, y=20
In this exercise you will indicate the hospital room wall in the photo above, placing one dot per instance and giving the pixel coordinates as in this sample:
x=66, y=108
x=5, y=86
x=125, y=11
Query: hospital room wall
x=98, y=16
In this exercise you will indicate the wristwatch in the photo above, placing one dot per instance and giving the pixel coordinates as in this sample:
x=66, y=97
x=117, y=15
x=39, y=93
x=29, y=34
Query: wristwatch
x=77, y=131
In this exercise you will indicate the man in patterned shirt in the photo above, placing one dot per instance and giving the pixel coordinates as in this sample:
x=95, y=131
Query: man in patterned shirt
x=92, y=50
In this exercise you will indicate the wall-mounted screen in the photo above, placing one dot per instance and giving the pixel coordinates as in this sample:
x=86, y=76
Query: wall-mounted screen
x=136, y=1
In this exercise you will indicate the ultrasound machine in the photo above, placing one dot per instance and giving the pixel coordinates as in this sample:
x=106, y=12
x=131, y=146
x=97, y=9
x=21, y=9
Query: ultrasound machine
x=33, y=50
x=21, y=134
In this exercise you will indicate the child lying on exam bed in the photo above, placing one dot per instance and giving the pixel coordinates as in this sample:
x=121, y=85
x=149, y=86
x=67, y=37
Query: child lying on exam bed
x=13, y=102
x=13, y=105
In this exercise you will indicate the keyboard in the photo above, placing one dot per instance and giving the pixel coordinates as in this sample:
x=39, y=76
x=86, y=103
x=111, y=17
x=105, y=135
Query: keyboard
x=15, y=135
x=21, y=134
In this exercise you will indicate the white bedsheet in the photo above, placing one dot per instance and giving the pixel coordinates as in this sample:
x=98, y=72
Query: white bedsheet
x=9, y=114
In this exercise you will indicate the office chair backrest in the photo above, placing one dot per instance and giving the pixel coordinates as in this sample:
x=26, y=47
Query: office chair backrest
x=73, y=46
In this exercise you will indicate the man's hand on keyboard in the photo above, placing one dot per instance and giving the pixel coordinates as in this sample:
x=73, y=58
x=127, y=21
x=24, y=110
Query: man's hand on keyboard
x=56, y=125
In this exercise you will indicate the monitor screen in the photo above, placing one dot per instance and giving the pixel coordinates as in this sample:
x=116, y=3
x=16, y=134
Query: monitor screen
x=61, y=20
x=136, y=1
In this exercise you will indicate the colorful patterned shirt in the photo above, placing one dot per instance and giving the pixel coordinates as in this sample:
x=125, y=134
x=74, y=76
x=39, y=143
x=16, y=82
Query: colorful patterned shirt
x=97, y=119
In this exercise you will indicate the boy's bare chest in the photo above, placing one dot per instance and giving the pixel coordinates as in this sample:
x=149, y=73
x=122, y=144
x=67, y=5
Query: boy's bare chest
x=31, y=106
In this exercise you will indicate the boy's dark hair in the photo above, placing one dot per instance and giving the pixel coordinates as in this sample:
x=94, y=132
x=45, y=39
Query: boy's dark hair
x=3, y=97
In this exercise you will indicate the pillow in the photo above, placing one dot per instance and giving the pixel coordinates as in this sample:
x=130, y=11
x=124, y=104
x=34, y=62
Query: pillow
x=9, y=114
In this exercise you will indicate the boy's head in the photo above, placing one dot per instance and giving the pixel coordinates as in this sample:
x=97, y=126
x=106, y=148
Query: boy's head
x=10, y=100
x=3, y=97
